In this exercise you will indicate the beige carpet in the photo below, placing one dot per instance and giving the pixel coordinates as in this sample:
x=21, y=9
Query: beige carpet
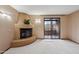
x=47, y=46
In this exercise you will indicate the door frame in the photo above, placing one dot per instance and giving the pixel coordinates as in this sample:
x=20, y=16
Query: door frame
x=51, y=25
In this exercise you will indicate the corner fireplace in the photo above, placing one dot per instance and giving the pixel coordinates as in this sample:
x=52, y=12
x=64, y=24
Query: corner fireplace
x=25, y=33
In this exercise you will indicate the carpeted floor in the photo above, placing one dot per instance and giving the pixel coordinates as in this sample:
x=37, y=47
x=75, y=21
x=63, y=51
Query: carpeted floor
x=47, y=46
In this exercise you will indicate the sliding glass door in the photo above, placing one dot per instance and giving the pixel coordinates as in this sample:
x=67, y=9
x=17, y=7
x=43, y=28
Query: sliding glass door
x=52, y=28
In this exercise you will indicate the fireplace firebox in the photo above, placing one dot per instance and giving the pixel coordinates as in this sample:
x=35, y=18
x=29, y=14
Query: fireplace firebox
x=25, y=33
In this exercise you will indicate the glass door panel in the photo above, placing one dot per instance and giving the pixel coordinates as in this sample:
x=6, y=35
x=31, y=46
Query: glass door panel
x=47, y=29
x=55, y=29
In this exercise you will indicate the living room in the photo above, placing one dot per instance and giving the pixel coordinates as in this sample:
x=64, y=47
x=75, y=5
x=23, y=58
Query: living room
x=24, y=27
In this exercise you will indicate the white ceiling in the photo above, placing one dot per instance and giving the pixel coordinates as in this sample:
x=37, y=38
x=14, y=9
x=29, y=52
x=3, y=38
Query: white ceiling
x=46, y=9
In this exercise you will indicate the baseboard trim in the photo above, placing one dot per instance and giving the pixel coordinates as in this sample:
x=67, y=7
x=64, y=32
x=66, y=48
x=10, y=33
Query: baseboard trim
x=64, y=38
x=5, y=51
x=40, y=38
x=73, y=41
x=47, y=38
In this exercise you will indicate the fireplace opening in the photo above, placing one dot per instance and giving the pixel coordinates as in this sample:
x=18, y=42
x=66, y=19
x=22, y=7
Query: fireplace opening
x=25, y=33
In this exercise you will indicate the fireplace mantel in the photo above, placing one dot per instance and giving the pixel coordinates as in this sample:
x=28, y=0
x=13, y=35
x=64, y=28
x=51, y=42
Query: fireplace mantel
x=18, y=27
x=21, y=42
x=23, y=26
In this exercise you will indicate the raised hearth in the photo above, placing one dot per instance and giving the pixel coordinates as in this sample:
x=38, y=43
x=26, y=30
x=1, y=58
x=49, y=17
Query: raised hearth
x=23, y=42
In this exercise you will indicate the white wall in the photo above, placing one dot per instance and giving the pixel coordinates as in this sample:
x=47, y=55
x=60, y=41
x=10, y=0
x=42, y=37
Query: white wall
x=7, y=26
x=73, y=26
x=6, y=32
